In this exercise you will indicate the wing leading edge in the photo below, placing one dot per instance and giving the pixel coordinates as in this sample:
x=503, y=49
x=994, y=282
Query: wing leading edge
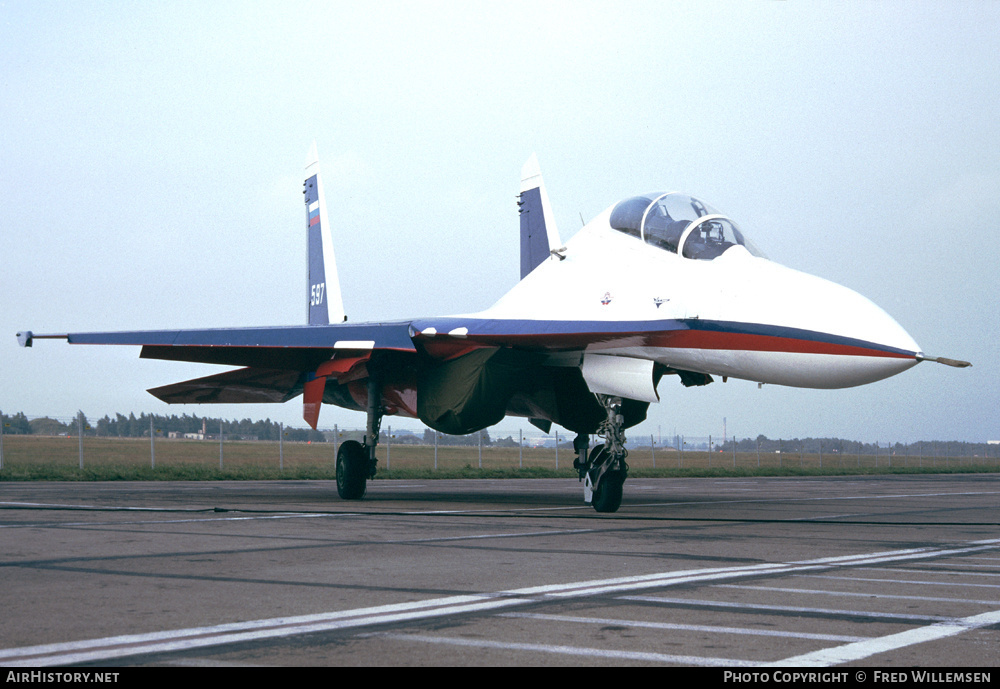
x=279, y=363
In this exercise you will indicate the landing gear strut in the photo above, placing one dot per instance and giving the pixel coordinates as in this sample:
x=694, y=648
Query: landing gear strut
x=356, y=462
x=604, y=471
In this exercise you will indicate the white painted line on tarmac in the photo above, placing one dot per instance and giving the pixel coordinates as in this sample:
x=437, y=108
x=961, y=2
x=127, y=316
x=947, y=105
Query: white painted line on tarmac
x=663, y=600
x=572, y=650
x=926, y=571
x=853, y=594
x=962, y=564
x=199, y=637
x=92, y=650
x=523, y=534
x=949, y=584
x=830, y=516
x=865, y=649
x=65, y=506
x=683, y=627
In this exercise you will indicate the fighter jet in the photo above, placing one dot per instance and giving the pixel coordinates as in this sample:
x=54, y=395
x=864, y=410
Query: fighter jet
x=659, y=285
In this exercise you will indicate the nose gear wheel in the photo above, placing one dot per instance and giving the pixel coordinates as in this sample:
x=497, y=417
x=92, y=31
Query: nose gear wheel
x=604, y=471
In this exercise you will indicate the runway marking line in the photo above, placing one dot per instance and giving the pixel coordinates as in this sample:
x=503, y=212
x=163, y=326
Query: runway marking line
x=949, y=584
x=854, y=651
x=91, y=650
x=712, y=629
x=570, y=650
x=854, y=594
x=663, y=600
x=864, y=649
x=963, y=564
x=955, y=573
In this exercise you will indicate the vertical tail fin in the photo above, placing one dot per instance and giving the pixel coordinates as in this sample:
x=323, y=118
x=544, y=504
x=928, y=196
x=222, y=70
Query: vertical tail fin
x=323, y=284
x=539, y=235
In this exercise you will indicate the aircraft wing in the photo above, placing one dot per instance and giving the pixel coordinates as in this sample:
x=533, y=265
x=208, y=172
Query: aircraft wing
x=279, y=362
x=392, y=335
x=459, y=365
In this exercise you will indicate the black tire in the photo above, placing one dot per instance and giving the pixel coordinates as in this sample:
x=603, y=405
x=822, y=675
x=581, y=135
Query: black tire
x=351, y=477
x=608, y=496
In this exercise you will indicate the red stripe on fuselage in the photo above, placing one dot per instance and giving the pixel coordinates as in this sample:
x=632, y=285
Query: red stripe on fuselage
x=443, y=346
x=705, y=339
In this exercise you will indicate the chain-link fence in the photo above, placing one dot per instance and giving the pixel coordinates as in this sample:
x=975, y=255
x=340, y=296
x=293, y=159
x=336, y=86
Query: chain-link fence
x=152, y=440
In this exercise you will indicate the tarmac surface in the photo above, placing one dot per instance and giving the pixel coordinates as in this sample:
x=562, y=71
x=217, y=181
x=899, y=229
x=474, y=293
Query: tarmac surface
x=887, y=571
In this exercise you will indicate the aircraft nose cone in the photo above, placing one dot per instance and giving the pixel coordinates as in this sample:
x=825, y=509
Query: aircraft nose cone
x=821, y=334
x=854, y=316
x=864, y=343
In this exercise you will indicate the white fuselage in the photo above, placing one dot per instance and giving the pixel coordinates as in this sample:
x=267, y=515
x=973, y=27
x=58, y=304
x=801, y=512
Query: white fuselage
x=743, y=316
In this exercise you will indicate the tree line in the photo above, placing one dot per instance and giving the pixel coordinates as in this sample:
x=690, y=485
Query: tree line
x=840, y=446
x=132, y=426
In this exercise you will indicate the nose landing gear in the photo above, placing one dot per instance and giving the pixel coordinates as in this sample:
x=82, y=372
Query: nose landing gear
x=604, y=471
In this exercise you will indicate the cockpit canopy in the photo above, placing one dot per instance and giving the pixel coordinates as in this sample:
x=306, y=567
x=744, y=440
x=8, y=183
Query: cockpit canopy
x=680, y=224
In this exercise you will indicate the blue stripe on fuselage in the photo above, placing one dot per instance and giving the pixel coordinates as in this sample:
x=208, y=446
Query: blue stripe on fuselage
x=497, y=329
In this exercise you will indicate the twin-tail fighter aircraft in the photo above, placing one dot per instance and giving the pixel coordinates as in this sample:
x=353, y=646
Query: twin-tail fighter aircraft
x=659, y=284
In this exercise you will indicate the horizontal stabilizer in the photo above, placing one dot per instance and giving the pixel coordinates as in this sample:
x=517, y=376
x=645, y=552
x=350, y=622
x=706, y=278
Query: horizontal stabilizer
x=246, y=385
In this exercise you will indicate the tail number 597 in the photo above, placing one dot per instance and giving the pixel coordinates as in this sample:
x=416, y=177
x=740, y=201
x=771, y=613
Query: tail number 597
x=316, y=294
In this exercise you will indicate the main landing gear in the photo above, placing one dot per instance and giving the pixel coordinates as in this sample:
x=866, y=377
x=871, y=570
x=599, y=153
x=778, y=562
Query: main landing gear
x=604, y=470
x=356, y=462
x=352, y=470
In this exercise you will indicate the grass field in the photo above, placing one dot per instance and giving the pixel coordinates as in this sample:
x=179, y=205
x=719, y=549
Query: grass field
x=59, y=458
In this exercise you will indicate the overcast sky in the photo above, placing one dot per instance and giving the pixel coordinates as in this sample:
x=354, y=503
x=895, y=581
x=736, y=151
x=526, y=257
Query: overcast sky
x=151, y=162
